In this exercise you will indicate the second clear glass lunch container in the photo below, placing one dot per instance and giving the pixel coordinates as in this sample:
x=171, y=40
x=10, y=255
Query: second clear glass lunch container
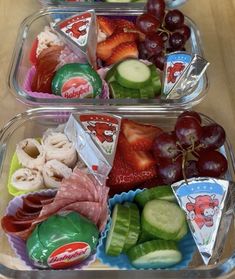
x=34, y=24
x=31, y=124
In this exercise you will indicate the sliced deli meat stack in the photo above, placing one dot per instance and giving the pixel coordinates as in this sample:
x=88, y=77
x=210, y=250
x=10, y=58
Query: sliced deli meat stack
x=80, y=193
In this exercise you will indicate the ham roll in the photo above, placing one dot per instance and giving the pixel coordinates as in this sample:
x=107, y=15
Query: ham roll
x=54, y=172
x=27, y=179
x=58, y=147
x=30, y=154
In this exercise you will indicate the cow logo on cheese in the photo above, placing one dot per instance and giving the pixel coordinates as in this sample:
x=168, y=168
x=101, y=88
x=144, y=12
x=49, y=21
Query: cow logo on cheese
x=69, y=254
x=103, y=130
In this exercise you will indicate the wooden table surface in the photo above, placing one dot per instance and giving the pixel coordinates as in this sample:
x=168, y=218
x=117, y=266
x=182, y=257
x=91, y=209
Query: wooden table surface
x=215, y=20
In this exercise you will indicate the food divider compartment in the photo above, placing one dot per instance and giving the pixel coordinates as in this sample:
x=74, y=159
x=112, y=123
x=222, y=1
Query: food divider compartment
x=34, y=24
x=33, y=123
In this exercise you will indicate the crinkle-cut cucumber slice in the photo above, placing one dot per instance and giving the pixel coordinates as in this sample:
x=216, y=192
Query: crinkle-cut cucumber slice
x=160, y=192
x=155, y=79
x=134, y=228
x=132, y=73
x=119, y=230
x=110, y=75
x=162, y=218
x=155, y=254
x=183, y=231
x=147, y=92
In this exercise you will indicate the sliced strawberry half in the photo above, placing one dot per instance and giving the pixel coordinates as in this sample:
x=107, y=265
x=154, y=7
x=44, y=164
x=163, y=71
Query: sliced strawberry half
x=106, y=25
x=139, y=136
x=122, y=25
x=104, y=49
x=124, y=178
x=124, y=50
x=138, y=160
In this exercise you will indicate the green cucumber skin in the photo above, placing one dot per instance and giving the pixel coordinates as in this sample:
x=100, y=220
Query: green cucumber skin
x=183, y=231
x=145, y=236
x=154, y=254
x=120, y=231
x=134, y=228
x=110, y=75
x=159, y=192
x=155, y=78
x=130, y=84
x=160, y=225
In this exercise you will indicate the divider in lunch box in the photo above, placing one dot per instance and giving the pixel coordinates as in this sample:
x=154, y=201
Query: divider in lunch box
x=19, y=63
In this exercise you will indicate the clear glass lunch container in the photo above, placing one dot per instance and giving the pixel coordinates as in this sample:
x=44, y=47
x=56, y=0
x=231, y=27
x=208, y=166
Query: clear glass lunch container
x=169, y=3
x=33, y=123
x=31, y=26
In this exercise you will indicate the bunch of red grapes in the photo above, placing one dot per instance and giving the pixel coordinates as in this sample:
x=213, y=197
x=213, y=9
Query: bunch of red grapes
x=165, y=31
x=190, y=150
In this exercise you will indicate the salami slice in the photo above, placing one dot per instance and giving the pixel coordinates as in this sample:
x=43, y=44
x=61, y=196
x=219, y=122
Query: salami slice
x=90, y=210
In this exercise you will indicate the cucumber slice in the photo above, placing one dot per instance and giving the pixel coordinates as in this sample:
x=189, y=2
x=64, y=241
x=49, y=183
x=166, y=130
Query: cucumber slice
x=162, y=219
x=160, y=192
x=119, y=230
x=155, y=254
x=155, y=79
x=132, y=73
x=147, y=92
x=115, y=90
x=132, y=93
x=183, y=231
x=110, y=75
x=134, y=228
x=145, y=236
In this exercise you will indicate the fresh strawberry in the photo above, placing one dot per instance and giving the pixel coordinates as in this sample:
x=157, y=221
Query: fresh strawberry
x=123, y=178
x=106, y=25
x=105, y=48
x=124, y=50
x=123, y=25
x=33, y=52
x=140, y=136
x=138, y=160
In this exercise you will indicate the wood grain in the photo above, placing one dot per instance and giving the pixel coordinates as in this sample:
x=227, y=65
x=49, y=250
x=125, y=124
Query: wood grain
x=215, y=20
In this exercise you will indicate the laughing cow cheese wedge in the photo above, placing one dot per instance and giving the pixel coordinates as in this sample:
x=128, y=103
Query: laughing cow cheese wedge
x=76, y=80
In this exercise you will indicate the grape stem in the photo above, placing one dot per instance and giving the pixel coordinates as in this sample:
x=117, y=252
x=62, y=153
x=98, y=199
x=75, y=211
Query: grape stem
x=184, y=152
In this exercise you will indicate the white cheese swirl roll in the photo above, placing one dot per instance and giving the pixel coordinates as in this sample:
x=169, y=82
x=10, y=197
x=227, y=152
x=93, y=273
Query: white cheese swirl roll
x=54, y=172
x=30, y=154
x=58, y=147
x=27, y=179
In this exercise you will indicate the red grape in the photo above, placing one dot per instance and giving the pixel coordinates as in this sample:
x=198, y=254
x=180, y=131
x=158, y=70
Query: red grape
x=176, y=41
x=213, y=137
x=147, y=23
x=185, y=31
x=191, y=169
x=174, y=19
x=188, y=130
x=157, y=8
x=191, y=113
x=212, y=163
x=153, y=43
x=143, y=53
x=158, y=60
x=170, y=171
x=164, y=146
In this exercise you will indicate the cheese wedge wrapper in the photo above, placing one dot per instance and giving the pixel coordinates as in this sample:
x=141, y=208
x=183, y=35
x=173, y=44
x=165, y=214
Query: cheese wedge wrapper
x=80, y=33
x=208, y=204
